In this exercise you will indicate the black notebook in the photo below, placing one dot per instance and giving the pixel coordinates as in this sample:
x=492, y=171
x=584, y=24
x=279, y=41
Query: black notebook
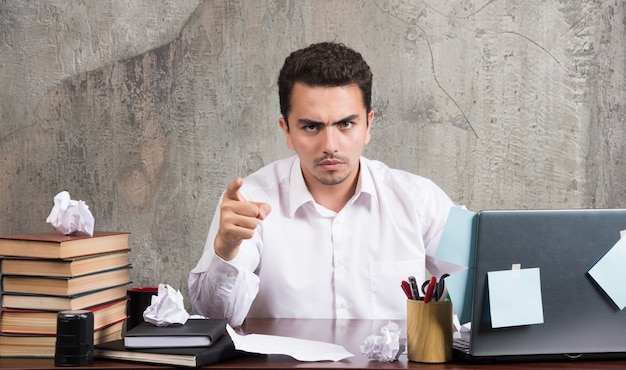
x=222, y=349
x=194, y=333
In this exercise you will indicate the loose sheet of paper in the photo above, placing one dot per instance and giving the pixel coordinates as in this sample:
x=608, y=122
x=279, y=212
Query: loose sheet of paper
x=610, y=274
x=300, y=349
x=515, y=297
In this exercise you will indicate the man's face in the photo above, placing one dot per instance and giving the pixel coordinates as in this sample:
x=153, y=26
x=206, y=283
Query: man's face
x=328, y=129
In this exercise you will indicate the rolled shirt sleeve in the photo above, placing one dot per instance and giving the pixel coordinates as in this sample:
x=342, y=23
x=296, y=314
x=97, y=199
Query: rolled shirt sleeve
x=219, y=289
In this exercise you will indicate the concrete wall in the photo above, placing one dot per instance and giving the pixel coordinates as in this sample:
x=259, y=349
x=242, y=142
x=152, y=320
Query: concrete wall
x=146, y=109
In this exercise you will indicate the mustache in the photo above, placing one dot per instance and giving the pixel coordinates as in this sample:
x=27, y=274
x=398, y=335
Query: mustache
x=333, y=157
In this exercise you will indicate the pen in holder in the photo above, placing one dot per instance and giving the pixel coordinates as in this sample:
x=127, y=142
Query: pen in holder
x=429, y=331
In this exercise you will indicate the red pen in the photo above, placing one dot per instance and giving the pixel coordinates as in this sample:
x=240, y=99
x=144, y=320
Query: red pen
x=406, y=287
x=430, y=289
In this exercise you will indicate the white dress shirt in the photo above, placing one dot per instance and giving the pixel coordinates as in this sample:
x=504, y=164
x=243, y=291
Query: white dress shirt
x=305, y=261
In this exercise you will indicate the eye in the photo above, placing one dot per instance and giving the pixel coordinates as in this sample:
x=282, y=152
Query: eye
x=346, y=124
x=310, y=127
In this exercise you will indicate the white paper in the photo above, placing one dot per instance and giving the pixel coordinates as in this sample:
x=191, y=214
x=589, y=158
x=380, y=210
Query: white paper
x=166, y=308
x=300, y=349
x=385, y=347
x=69, y=216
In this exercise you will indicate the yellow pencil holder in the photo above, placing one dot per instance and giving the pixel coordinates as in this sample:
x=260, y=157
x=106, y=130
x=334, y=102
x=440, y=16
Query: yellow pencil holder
x=429, y=331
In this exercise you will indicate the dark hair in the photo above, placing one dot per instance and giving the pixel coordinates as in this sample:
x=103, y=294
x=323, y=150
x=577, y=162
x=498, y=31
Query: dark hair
x=324, y=64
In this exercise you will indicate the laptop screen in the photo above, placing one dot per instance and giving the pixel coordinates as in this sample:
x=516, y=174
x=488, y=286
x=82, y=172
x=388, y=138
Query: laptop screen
x=578, y=317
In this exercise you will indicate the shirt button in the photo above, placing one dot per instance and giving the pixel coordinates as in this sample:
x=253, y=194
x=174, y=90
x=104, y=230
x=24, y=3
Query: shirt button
x=340, y=261
x=230, y=274
x=339, y=220
x=343, y=305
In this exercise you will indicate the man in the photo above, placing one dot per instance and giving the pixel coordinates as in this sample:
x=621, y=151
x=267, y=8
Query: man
x=326, y=233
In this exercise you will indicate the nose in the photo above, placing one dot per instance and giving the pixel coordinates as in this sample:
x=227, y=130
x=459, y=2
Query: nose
x=330, y=140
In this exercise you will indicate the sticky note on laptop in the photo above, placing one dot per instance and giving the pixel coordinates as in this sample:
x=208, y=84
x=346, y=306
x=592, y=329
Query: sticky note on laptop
x=515, y=297
x=610, y=274
x=456, y=241
x=456, y=248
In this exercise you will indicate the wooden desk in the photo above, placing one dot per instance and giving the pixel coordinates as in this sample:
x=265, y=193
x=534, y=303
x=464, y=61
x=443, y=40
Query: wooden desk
x=348, y=333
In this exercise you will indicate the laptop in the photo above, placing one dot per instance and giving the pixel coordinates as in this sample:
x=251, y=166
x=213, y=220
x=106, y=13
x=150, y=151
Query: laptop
x=580, y=322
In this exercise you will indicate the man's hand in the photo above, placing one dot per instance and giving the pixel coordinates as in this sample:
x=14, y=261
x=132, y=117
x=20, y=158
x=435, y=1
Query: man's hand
x=238, y=220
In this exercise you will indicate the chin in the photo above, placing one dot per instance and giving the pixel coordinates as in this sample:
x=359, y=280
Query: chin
x=334, y=180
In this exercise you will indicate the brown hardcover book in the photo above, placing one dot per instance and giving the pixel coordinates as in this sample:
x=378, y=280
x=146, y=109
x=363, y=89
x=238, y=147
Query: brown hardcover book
x=27, y=345
x=56, y=245
x=14, y=321
x=63, y=267
x=108, y=333
x=61, y=303
x=63, y=285
x=32, y=346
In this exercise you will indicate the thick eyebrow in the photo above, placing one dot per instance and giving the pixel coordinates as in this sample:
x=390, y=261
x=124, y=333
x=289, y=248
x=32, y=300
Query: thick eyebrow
x=307, y=122
x=350, y=118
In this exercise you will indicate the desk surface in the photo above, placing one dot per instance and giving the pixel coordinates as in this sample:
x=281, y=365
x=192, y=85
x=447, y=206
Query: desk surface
x=348, y=333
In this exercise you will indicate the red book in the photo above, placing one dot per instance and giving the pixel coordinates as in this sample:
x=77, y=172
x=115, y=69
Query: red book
x=56, y=245
x=16, y=321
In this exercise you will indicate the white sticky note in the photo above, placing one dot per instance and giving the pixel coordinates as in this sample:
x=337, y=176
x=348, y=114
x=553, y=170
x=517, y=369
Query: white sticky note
x=610, y=274
x=515, y=297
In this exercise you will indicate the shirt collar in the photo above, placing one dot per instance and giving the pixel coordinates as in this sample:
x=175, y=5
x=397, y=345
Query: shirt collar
x=366, y=181
x=299, y=194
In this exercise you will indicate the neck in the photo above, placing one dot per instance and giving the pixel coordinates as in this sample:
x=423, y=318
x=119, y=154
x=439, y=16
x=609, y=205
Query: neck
x=333, y=197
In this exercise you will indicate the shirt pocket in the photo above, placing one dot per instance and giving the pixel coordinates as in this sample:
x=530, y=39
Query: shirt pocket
x=388, y=299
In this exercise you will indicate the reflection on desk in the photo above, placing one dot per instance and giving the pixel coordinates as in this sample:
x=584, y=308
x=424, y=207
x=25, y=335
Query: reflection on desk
x=348, y=333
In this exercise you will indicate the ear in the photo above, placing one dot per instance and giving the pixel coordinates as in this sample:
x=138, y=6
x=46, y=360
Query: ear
x=370, y=120
x=283, y=125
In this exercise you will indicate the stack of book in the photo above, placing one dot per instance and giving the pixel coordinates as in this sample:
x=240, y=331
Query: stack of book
x=45, y=273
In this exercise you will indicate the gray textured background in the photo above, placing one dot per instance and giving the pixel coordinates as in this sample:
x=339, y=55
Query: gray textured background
x=146, y=109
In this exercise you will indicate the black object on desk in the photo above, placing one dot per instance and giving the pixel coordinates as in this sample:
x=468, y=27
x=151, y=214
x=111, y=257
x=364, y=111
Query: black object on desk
x=74, y=340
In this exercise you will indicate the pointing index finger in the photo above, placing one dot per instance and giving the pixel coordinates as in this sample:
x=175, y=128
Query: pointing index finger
x=232, y=191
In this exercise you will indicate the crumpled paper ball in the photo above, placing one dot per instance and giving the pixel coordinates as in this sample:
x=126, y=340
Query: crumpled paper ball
x=166, y=308
x=386, y=347
x=70, y=216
